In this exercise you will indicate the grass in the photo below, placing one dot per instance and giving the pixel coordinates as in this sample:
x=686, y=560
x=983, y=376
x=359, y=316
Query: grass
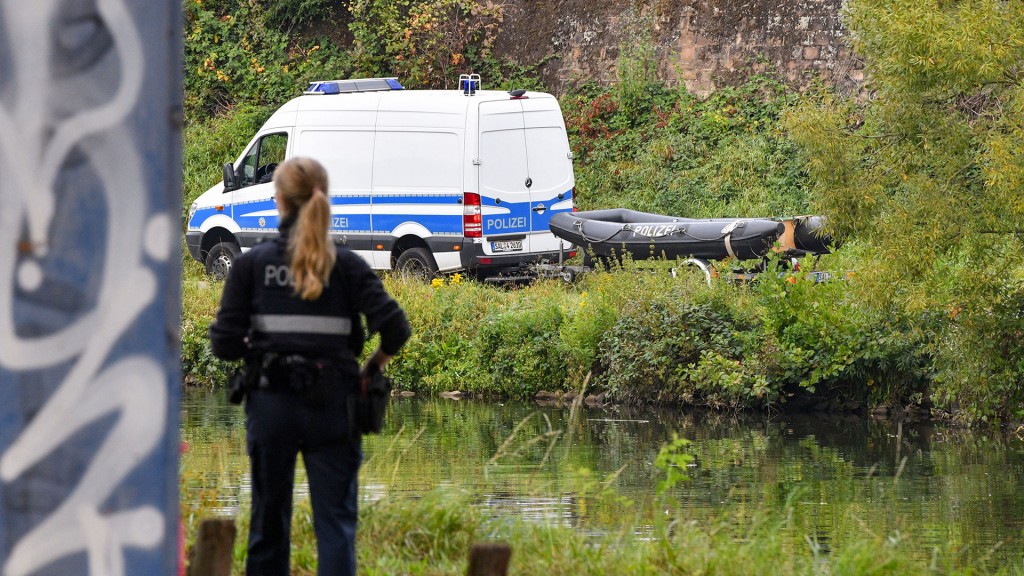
x=431, y=534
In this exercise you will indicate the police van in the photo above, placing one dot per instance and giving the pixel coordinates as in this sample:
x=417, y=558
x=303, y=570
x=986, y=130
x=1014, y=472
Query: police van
x=422, y=181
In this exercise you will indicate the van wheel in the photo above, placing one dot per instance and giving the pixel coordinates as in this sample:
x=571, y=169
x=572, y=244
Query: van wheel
x=416, y=263
x=220, y=258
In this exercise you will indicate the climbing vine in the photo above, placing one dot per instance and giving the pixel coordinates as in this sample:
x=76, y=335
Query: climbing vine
x=425, y=43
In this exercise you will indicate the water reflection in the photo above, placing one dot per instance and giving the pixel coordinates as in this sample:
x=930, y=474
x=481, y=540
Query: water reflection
x=950, y=488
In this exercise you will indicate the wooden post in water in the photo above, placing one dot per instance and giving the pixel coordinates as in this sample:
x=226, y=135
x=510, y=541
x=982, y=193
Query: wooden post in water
x=489, y=559
x=212, y=552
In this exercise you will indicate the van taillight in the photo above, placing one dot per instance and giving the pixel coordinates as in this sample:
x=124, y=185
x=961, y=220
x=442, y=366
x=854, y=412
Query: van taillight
x=472, y=216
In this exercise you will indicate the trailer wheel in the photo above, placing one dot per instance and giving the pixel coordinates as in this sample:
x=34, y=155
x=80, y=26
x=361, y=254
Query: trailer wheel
x=220, y=258
x=416, y=263
x=694, y=266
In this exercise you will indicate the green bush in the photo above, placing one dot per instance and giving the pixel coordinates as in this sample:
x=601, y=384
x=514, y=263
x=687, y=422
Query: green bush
x=426, y=43
x=234, y=55
x=522, y=351
x=199, y=367
x=649, y=147
x=837, y=343
x=646, y=337
x=445, y=317
x=685, y=349
x=978, y=347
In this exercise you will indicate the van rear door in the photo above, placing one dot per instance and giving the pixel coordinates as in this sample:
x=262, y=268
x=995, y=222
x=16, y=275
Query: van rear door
x=550, y=167
x=525, y=173
x=504, y=178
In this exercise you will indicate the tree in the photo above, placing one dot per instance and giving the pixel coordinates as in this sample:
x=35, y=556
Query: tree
x=925, y=168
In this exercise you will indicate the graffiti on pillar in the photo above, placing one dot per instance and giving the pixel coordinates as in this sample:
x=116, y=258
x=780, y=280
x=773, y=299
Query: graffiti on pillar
x=73, y=75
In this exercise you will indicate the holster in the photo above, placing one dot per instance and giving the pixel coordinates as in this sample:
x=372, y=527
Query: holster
x=367, y=406
x=248, y=376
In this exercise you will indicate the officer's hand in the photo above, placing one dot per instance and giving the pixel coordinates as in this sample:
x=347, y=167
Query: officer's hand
x=369, y=370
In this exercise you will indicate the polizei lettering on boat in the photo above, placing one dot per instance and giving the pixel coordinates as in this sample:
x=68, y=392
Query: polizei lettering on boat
x=517, y=223
x=654, y=231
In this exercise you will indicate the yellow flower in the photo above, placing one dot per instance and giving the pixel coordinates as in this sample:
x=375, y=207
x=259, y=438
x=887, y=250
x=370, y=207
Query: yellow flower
x=456, y=278
x=437, y=282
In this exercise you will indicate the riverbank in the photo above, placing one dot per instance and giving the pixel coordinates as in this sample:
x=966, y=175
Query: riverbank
x=432, y=536
x=638, y=335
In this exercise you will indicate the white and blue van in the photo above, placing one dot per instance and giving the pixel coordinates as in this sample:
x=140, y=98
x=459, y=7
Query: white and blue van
x=422, y=181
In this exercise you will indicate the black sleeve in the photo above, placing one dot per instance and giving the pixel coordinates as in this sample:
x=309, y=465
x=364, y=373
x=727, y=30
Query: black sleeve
x=394, y=333
x=382, y=312
x=231, y=326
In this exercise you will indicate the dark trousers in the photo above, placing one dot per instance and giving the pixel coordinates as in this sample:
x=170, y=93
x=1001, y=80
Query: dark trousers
x=279, y=425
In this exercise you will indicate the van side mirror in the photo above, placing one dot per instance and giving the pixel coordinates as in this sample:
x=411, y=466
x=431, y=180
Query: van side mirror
x=230, y=179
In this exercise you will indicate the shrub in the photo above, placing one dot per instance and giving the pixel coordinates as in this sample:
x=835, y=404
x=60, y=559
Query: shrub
x=646, y=146
x=445, y=318
x=200, y=299
x=685, y=351
x=837, y=343
x=234, y=55
x=521, y=349
x=426, y=43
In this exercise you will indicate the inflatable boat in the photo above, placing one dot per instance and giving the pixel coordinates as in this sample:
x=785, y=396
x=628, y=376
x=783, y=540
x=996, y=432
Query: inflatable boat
x=616, y=232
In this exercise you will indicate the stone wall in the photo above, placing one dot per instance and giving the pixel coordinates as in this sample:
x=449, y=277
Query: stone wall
x=702, y=43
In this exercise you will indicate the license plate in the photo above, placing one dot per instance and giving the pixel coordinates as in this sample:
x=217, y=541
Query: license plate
x=507, y=246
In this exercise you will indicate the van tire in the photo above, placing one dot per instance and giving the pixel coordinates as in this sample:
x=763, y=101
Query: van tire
x=416, y=263
x=220, y=258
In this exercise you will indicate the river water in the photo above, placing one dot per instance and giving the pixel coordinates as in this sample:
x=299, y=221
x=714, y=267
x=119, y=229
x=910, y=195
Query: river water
x=949, y=488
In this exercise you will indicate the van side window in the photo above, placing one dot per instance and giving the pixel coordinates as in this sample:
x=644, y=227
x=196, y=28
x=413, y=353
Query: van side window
x=261, y=160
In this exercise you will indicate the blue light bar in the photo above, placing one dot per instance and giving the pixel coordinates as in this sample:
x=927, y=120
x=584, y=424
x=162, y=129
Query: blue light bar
x=354, y=85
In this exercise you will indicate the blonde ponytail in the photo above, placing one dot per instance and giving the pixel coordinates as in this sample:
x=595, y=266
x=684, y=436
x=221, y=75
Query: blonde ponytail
x=302, y=186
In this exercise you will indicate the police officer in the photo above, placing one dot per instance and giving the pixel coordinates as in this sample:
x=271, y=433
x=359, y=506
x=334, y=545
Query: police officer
x=293, y=308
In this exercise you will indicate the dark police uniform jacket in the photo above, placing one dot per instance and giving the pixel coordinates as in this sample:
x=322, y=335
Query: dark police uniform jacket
x=260, y=311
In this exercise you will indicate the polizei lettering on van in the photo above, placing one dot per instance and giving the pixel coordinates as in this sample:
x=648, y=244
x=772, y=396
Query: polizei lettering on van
x=506, y=224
